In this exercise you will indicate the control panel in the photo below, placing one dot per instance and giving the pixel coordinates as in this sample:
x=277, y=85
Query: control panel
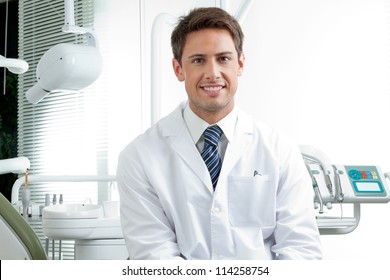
x=366, y=181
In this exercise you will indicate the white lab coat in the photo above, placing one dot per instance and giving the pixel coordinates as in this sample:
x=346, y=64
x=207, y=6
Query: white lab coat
x=169, y=209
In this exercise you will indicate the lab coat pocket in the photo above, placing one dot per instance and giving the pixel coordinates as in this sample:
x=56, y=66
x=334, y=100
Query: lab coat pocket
x=251, y=201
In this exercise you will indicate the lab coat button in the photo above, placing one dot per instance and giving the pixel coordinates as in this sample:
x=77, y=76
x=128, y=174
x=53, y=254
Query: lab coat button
x=217, y=209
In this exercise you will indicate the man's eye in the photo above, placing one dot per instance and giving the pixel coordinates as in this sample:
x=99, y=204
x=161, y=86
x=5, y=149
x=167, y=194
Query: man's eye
x=224, y=58
x=197, y=60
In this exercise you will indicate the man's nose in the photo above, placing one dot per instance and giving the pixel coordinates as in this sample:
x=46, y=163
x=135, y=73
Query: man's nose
x=212, y=71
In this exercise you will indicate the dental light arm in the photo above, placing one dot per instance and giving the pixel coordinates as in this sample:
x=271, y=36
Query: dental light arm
x=16, y=165
x=70, y=27
x=16, y=66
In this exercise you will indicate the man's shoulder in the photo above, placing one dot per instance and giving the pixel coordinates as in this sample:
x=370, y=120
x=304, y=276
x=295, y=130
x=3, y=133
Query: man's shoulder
x=256, y=126
x=154, y=136
x=265, y=133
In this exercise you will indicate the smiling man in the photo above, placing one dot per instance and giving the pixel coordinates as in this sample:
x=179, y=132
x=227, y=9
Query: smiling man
x=210, y=66
x=207, y=182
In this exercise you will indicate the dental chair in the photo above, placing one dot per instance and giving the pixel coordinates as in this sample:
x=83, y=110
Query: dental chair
x=18, y=241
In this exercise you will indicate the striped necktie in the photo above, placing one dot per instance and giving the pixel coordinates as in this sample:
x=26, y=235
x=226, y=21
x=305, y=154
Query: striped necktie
x=210, y=153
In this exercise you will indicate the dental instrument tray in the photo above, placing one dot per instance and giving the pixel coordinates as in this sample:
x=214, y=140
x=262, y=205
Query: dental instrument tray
x=348, y=185
x=352, y=184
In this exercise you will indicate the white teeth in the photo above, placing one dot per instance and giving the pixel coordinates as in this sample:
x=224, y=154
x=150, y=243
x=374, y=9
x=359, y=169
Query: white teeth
x=213, y=88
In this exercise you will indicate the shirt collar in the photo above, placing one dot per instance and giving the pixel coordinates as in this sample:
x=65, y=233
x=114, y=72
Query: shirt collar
x=197, y=126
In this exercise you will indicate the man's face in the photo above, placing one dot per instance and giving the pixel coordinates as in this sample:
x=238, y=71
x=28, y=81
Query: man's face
x=210, y=69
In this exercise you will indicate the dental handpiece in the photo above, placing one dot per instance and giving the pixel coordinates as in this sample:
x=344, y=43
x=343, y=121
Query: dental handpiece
x=316, y=190
x=339, y=189
x=328, y=182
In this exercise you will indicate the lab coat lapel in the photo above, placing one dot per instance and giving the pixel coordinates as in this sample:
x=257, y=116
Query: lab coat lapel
x=174, y=129
x=241, y=140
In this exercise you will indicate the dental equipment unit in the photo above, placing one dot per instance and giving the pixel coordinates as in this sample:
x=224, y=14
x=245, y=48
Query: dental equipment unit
x=342, y=185
x=95, y=229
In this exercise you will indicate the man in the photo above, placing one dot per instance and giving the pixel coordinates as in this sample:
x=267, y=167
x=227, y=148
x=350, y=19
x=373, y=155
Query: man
x=206, y=182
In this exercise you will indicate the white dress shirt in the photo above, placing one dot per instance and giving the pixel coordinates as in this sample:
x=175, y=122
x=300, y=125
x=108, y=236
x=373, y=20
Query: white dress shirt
x=196, y=126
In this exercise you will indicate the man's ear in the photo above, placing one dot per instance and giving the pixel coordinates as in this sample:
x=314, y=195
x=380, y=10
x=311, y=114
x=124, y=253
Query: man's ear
x=178, y=70
x=241, y=62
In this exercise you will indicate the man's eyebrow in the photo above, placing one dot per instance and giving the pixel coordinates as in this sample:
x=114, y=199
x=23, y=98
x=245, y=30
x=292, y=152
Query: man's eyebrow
x=224, y=53
x=203, y=55
x=196, y=55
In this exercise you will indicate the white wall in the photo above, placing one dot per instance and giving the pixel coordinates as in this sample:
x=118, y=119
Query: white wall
x=319, y=71
x=316, y=70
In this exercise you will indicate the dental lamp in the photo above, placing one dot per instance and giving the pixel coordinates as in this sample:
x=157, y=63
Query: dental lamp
x=67, y=67
x=16, y=66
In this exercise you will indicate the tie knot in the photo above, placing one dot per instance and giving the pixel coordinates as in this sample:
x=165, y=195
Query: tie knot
x=212, y=135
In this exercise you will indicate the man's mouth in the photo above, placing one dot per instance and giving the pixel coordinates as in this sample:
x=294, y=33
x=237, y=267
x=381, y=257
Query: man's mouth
x=213, y=90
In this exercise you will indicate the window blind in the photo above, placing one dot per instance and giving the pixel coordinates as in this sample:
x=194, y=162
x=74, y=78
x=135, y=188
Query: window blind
x=66, y=133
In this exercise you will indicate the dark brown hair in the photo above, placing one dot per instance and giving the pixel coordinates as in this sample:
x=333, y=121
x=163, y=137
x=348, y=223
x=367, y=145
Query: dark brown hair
x=202, y=18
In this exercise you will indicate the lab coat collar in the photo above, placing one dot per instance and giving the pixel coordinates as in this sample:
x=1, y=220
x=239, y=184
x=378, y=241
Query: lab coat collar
x=197, y=126
x=244, y=123
x=173, y=124
x=243, y=136
x=174, y=127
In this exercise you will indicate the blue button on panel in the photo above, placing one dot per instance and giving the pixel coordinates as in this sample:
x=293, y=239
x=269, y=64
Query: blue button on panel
x=355, y=174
